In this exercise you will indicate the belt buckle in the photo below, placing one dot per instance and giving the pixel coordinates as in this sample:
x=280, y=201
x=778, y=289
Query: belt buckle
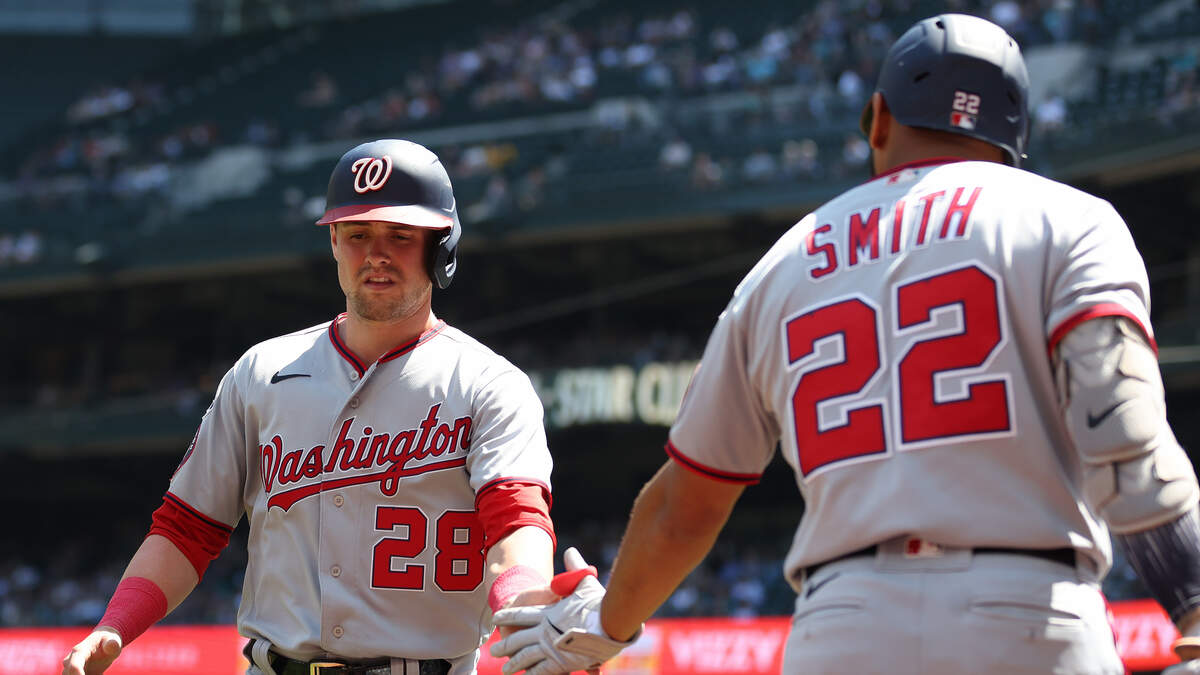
x=315, y=667
x=919, y=548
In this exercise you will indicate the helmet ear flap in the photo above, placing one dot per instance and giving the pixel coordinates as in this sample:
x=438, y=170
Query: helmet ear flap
x=443, y=258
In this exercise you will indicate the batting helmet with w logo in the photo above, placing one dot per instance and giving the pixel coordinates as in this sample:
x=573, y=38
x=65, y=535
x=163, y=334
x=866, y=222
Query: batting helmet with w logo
x=397, y=181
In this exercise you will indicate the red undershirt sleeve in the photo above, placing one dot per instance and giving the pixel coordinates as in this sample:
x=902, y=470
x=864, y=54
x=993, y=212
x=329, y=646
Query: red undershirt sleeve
x=506, y=506
x=197, y=536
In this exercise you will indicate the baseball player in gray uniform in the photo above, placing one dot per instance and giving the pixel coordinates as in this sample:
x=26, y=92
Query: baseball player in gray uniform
x=393, y=470
x=957, y=361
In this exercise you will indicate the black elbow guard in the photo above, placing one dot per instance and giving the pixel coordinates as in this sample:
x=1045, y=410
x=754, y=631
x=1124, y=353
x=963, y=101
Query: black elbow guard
x=1167, y=558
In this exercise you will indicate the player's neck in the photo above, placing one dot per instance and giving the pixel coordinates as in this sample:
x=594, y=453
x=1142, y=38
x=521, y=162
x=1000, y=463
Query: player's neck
x=369, y=340
x=907, y=145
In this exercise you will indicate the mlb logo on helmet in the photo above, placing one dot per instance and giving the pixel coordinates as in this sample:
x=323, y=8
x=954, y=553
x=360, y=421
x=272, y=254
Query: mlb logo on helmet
x=962, y=120
x=964, y=110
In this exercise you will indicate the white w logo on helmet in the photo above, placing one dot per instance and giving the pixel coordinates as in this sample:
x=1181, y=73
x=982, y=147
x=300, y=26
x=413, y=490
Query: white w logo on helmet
x=371, y=173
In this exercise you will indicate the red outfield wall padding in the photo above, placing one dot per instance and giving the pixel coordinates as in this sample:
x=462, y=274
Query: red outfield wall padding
x=668, y=647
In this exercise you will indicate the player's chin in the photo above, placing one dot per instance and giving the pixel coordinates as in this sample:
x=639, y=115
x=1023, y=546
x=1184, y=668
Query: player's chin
x=381, y=306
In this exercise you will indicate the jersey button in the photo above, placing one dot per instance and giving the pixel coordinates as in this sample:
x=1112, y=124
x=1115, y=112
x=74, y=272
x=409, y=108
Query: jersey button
x=354, y=376
x=338, y=500
x=338, y=631
x=335, y=571
x=354, y=402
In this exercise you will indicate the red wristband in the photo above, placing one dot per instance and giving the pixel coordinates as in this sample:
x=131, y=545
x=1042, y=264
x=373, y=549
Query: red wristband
x=512, y=581
x=135, y=606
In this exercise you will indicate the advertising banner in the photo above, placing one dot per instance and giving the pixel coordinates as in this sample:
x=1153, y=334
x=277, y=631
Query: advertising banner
x=179, y=650
x=668, y=647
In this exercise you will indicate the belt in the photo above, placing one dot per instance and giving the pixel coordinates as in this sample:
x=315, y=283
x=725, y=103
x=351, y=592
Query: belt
x=1065, y=556
x=282, y=665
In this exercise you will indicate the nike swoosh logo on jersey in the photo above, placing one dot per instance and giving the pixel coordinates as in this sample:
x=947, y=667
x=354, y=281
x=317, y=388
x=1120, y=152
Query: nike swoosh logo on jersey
x=812, y=588
x=280, y=378
x=1095, y=420
x=1012, y=119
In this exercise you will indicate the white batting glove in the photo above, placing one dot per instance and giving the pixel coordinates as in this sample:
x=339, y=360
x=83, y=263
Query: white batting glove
x=563, y=637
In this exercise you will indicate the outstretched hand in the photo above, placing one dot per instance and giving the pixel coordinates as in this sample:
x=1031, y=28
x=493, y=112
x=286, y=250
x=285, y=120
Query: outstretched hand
x=564, y=637
x=537, y=595
x=94, y=654
x=551, y=592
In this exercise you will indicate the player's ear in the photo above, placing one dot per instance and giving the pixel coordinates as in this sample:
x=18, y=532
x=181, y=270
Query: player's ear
x=881, y=122
x=333, y=238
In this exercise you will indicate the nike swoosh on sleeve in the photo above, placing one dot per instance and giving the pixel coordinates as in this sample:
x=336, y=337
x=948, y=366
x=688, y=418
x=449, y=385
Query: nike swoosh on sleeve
x=1094, y=421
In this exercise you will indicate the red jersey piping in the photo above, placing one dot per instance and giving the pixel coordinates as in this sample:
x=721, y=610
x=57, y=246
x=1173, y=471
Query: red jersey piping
x=413, y=344
x=1095, y=312
x=341, y=347
x=394, y=353
x=709, y=472
x=199, y=517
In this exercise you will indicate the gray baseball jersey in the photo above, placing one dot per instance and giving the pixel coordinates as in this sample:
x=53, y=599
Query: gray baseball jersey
x=896, y=342
x=359, y=483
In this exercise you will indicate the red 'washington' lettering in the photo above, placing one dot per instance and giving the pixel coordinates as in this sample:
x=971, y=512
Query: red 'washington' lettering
x=394, y=453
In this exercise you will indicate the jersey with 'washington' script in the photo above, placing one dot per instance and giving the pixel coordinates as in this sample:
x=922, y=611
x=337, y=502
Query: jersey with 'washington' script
x=359, y=484
x=897, y=344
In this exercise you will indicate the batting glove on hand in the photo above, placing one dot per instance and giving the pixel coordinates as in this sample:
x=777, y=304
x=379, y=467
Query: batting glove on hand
x=563, y=637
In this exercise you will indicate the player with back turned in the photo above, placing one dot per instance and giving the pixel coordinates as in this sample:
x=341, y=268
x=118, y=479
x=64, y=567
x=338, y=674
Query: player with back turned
x=394, y=471
x=956, y=359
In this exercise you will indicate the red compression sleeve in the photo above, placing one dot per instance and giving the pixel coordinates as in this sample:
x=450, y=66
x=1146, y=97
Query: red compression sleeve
x=135, y=606
x=197, y=536
x=505, y=506
x=512, y=581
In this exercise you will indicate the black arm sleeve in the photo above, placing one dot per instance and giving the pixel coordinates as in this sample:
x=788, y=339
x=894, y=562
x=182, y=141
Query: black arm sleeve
x=1167, y=558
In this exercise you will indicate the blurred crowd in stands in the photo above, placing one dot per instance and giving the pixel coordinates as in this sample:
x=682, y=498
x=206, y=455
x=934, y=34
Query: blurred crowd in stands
x=742, y=577
x=1180, y=94
x=71, y=585
x=20, y=248
x=162, y=373
x=826, y=54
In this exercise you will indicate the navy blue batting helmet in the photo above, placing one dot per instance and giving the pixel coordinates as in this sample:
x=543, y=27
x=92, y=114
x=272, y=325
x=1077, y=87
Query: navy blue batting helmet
x=961, y=74
x=397, y=181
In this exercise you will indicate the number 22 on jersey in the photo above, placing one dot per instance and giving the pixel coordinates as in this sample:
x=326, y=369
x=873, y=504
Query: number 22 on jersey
x=838, y=385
